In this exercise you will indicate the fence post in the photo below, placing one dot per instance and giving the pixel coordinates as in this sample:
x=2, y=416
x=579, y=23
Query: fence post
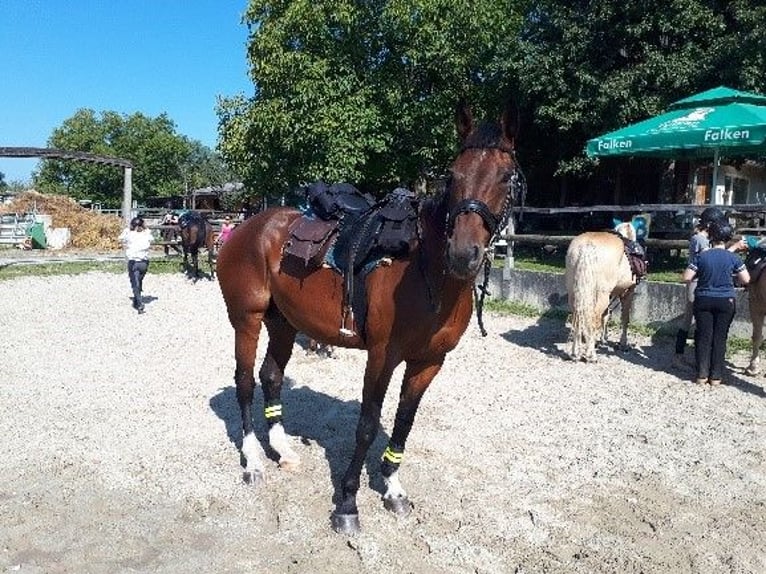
x=509, y=262
x=127, y=194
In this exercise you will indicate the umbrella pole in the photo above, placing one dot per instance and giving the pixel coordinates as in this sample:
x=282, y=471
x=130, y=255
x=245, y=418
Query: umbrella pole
x=714, y=190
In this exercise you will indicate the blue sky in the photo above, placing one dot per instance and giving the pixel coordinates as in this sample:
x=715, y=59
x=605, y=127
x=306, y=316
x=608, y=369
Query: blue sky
x=148, y=56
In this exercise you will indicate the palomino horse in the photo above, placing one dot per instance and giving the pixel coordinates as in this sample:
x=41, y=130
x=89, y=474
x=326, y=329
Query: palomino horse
x=197, y=232
x=418, y=307
x=599, y=273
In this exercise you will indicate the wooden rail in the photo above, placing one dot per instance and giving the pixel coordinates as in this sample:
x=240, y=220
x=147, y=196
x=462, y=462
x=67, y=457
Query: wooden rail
x=565, y=239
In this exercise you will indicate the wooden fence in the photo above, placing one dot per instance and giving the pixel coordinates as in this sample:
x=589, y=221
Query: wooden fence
x=749, y=219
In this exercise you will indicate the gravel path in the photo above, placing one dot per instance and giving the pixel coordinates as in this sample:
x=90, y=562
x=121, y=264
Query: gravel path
x=118, y=433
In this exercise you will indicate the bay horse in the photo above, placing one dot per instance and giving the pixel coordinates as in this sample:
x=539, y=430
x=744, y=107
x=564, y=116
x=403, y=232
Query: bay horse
x=599, y=274
x=197, y=232
x=756, y=295
x=418, y=307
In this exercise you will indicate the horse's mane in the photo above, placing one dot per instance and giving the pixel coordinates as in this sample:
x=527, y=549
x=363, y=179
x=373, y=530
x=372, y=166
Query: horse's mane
x=433, y=210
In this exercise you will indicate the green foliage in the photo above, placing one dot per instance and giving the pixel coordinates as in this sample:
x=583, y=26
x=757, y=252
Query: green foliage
x=361, y=91
x=165, y=163
x=364, y=90
x=592, y=66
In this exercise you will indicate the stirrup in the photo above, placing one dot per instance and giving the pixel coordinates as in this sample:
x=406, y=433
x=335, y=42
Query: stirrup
x=344, y=331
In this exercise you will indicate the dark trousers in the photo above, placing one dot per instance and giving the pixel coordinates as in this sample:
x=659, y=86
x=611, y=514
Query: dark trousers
x=713, y=316
x=136, y=272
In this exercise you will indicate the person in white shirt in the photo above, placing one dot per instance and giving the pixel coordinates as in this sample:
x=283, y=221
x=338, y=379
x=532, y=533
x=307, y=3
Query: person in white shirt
x=137, y=240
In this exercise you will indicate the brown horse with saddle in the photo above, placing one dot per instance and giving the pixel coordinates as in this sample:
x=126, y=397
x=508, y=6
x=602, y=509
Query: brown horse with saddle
x=412, y=306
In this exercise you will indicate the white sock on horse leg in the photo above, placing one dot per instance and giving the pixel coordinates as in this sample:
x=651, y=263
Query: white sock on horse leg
x=280, y=442
x=394, y=487
x=252, y=451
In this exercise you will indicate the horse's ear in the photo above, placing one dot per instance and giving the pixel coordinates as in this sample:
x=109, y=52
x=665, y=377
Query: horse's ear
x=463, y=120
x=510, y=122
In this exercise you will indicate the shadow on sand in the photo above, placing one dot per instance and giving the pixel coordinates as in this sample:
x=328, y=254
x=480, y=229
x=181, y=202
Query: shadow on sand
x=550, y=335
x=313, y=417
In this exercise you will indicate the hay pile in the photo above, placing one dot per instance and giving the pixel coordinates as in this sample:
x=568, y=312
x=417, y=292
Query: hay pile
x=89, y=229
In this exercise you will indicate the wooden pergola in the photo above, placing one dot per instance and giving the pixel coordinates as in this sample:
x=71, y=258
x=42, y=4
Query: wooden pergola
x=50, y=153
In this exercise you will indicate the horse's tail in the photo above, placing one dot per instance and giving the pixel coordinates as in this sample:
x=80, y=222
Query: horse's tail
x=583, y=274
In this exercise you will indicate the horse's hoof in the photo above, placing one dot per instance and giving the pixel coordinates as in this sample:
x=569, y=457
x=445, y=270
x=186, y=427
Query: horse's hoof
x=290, y=464
x=752, y=372
x=399, y=505
x=254, y=478
x=346, y=523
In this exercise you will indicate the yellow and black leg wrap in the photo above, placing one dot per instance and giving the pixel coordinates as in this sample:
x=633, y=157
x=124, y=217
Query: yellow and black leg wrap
x=392, y=458
x=273, y=412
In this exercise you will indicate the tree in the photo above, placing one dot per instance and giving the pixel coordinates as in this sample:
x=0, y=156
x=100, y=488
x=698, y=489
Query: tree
x=164, y=161
x=361, y=91
x=3, y=185
x=590, y=66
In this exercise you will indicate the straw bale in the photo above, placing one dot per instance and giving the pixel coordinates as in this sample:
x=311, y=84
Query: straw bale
x=89, y=229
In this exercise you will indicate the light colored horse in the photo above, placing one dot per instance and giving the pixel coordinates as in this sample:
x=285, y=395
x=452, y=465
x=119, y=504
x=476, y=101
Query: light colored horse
x=598, y=273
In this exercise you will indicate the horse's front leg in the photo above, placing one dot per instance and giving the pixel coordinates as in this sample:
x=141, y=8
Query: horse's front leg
x=280, y=349
x=626, y=303
x=417, y=377
x=345, y=517
x=211, y=260
x=757, y=320
x=195, y=264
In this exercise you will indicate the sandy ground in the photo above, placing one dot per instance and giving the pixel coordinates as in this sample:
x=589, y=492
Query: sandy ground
x=119, y=438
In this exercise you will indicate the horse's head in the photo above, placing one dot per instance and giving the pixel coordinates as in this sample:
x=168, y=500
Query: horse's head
x=627, y=230
x=483, y=182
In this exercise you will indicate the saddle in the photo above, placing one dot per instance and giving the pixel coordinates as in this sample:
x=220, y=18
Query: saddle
x=636, y=254
x=339, y=232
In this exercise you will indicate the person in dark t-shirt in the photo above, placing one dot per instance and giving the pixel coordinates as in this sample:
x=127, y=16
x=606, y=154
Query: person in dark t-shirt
x=714, y=300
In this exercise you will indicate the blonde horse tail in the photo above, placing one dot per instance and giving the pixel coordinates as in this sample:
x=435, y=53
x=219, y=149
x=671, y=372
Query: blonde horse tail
x=584, y=290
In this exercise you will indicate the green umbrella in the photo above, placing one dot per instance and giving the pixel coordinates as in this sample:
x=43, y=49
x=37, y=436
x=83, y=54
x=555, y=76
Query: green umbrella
x=712, y=123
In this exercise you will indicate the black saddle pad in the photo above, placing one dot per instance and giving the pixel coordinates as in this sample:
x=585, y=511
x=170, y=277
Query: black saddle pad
x=388, y=229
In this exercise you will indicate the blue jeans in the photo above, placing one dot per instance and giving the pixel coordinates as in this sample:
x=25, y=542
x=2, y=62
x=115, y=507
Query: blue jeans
x=136, y=272
x=713, y=316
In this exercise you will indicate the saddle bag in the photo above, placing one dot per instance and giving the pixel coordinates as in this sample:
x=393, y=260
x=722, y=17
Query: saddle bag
x=637, y=258
x=337, y=200
x=308, y=241
x=397, y=223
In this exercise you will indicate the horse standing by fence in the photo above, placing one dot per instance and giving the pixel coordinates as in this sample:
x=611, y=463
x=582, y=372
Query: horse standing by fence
x=196, y=233
x=418, y=306
x=599, y=273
